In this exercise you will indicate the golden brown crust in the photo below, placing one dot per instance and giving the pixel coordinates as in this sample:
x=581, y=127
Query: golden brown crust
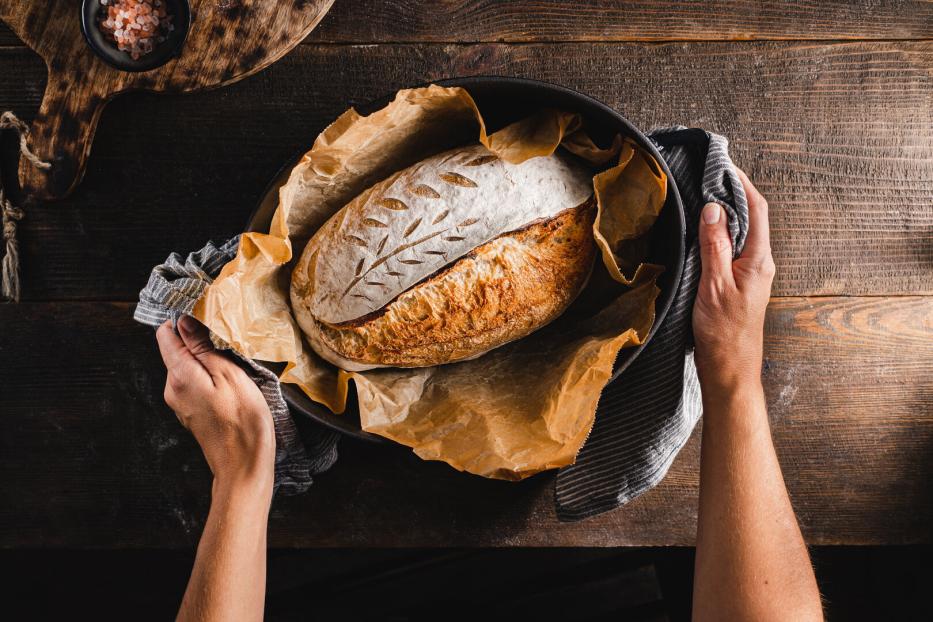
x=500, y=292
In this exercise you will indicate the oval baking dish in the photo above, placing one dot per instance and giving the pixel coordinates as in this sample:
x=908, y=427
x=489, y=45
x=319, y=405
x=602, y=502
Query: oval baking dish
x=503, y=100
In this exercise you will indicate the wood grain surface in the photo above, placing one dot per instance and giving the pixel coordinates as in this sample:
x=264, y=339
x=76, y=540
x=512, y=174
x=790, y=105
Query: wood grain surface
x=468, y=21
x=839, y=137
x=837, y=134
x=644, y=20
x=226, y=42
x=91, y=457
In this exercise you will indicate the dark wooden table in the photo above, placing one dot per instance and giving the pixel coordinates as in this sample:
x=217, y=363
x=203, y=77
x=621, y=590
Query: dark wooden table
x=829, y=107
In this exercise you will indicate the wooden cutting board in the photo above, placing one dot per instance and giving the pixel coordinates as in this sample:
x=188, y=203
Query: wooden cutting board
x=228, y=40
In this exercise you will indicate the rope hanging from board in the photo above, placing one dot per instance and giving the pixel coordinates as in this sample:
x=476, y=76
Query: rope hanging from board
x=9, y=270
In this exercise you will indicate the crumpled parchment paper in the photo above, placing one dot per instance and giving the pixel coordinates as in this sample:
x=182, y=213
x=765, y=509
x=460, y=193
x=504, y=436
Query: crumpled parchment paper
x=517, y=410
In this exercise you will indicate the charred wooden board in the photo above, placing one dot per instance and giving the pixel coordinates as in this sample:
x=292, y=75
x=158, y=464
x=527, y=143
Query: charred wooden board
x=839, y=137
x=91, y=456
x=227, y=41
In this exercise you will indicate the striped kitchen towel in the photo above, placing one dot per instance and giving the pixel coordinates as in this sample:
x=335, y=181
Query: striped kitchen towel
x=646, y=416
x=173, y=288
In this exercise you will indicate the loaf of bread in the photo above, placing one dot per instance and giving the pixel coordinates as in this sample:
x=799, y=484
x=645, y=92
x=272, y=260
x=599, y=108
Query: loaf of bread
x=446, y=260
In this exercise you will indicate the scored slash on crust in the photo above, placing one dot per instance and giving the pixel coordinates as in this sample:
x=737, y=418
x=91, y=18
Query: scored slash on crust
x=484, y=159
x=457, y=179
x=393, y=204
x=411, y=228
x=427, y=192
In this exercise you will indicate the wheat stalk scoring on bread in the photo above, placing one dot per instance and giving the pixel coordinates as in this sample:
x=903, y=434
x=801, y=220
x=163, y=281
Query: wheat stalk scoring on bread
x=445, y=260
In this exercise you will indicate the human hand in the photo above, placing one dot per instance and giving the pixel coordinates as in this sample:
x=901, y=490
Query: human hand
x=729, y=311
x=221, y=406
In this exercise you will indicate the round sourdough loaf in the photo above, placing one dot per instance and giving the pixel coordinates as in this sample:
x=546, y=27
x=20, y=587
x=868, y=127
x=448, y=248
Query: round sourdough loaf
x=446, y=260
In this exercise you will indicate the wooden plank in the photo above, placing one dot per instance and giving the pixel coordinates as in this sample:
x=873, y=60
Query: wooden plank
x=370, y=21
x=91, y=457
x=839, y=137
x=599, y=20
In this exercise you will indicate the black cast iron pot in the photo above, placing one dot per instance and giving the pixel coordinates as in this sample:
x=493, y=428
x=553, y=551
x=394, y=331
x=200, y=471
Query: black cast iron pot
x=503, y=100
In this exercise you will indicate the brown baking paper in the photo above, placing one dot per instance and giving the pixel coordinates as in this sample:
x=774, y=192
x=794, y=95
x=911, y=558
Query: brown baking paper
x=515, y=411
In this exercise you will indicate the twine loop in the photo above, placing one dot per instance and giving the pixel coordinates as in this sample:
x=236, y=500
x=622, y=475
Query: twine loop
x=11, y=214
x=9, y=121
x=9, y=267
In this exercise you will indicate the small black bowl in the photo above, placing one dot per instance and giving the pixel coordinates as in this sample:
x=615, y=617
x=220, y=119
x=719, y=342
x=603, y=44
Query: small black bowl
x=161, y=54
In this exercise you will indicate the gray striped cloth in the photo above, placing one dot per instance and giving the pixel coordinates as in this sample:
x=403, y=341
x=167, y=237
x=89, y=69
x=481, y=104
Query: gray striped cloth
x=173, y=288
x=645, y=417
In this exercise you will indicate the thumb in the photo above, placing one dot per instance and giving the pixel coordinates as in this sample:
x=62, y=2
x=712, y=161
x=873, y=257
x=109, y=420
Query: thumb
x=198, y=341
x=715, y=244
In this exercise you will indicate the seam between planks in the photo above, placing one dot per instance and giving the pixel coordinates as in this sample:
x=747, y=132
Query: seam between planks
x=351, y=43
x=310, y=41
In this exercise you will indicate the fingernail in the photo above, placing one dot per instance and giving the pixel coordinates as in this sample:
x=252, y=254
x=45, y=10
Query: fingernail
x=711, y=212
x=187, y=324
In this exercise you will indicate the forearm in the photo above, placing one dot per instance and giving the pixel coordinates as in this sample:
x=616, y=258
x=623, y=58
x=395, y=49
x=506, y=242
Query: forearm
x=229, y=576
x=751, y=559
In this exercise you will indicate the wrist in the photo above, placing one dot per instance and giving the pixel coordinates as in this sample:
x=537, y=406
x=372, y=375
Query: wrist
x=251, y=483
x=732, y=393
x=728, y=374
x=724, y=404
